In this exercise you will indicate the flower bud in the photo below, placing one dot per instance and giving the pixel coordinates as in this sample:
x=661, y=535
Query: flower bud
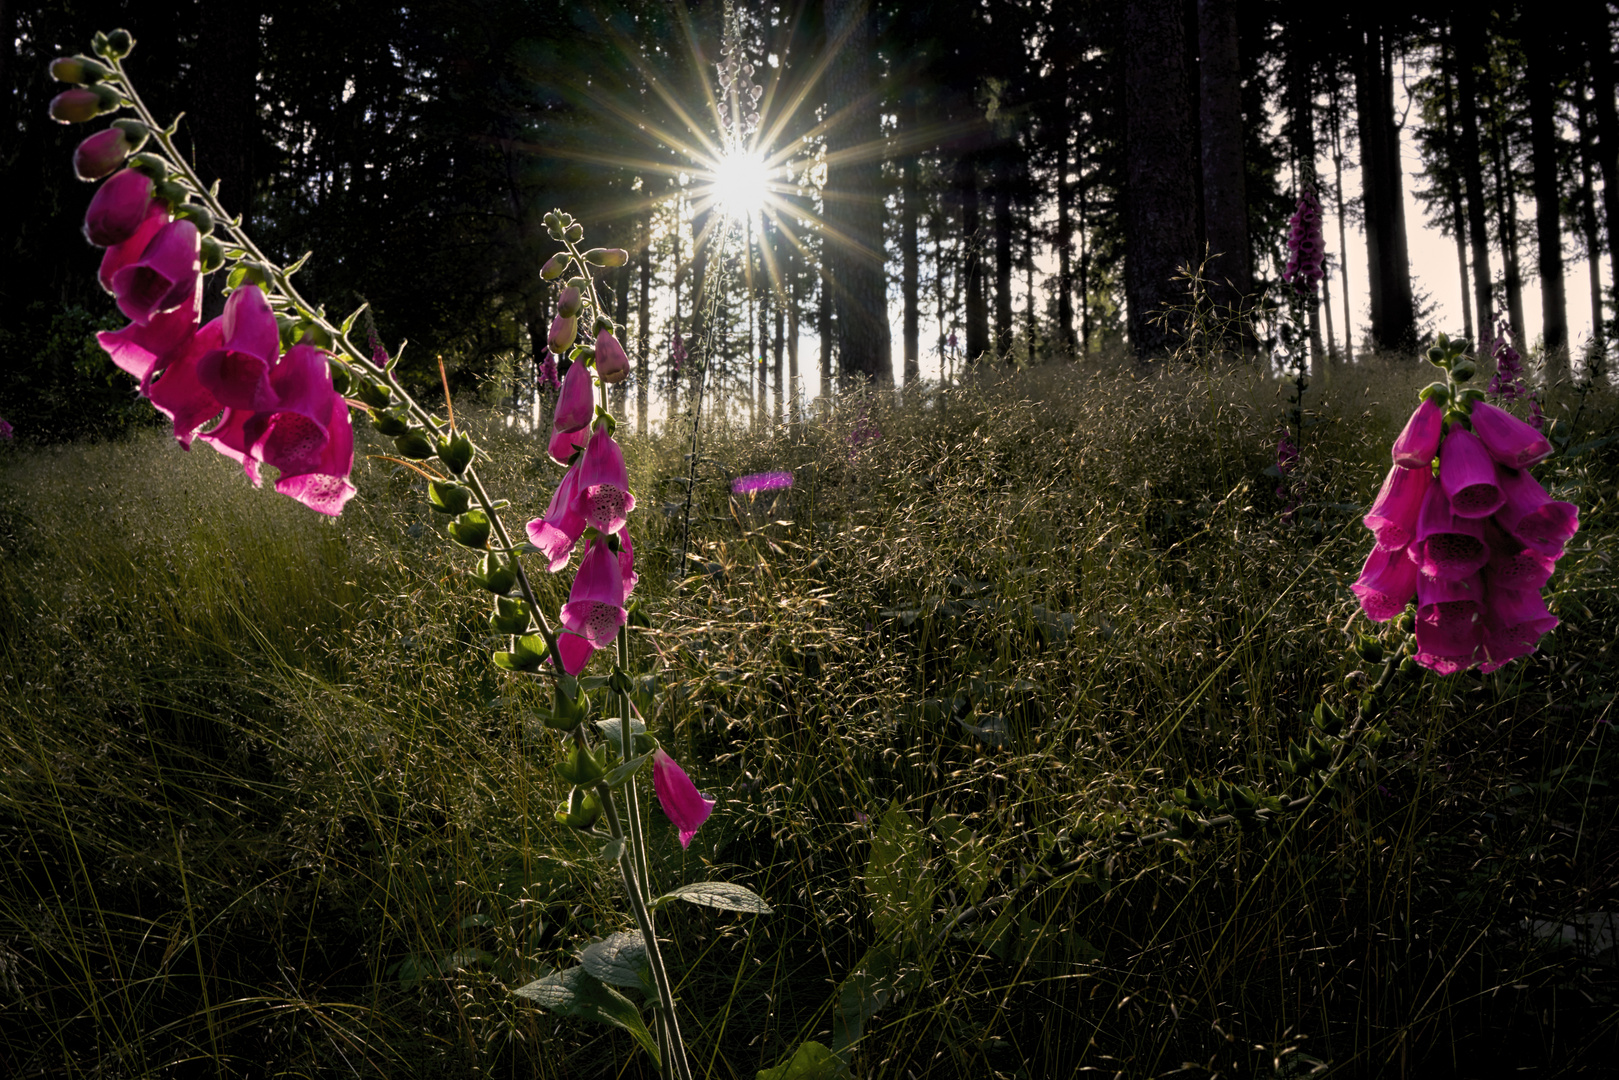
x=150, y=165
x=136, y=131
x=607, y=256
x=413, y=445
x=118, y=208
x=611, y=363
x=448, y=498
x=172, y=193
x=471, y=529
x=389, y=423
x=563, y=331
x=581, y=810
x=554, y=266
x=77, y=70
x=80, y=104
x=574, y=233
x=527, y=654
x=116, y=45
x=569, y=302
x=373, y=394
x=456, y=452
x=200, y=216
x=580, y=767
x=495, y=576
x=511, y=616
x=212, y=256
x=1463, y=369
x=100, y=154
x=602, y=323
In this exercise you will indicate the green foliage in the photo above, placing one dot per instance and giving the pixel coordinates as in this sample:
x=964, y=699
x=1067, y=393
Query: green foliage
x=257, y=765
x=59, y=383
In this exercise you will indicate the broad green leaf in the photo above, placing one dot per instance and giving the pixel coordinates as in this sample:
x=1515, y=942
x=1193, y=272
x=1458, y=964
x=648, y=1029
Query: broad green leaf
x=882, y=976
x=619, y=960
x=718, y=894
x=626, y=769
x=967, y=855
x=575, y=992
x=896, y=876
x=811, y=1061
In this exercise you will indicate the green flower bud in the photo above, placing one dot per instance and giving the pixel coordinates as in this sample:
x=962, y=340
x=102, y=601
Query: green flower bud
x=554, y=266
x=471, y=529
x=77, y=70
x=172, y=193
x=312, y=333
x=574, y=233
x=1463, y=369
x=495, y=576
x=511, y=615
x=580, y=767
x=457, y=452
x=581, y=810
x=448, y=497
x=372, y=393
x=607, y=256
x=200, y=216
x=150, y=165
x=1435, y=390
x=213, y=256
x=134, y=131
x=570, y=302
x=1436, y=356
x=570, y=706
x=414, y=445
x=528, y=653
x=387, y=422
x=117, y=45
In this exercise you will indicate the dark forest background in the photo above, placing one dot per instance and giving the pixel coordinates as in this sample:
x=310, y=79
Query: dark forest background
x=414, y=148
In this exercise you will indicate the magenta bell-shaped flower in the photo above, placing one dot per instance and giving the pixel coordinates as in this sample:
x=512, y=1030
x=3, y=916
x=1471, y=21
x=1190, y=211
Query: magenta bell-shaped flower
x=164, y=277
x=1386, y=585
x=595, y=607
x=604, y=484
x=1419, y=442
x=100, y=154
x=611, y=363
x=143, y=351
x=687, y=807
x=1467, y=474
x=1509, y=440
x=1513, y=566
x=564, y=444
x=1514, y=622
x=238, y=374
x=118, y=208
x=556, y=533
x=1532, y=517
x=127, y=251
x=576, y=404
x=1447, y=546
x=1393, y=516
x=563, y=332
x=178, y=394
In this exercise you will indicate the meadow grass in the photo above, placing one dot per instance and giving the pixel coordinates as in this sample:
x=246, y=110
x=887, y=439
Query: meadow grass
x=266, y=808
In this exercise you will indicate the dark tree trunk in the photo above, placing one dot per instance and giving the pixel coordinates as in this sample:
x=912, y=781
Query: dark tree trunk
x=1469, y=48
x=1588, y=223
x=1600, y=41
x=1453, y=184
x=1388, y=261
x=621, y=316
x=223, y=125
x=824, y=324
x=1548, y=199
x=1003, y=255
x=1333, y=114
x=971, y=270
x=1065, y=251
x=910, y=200
x=1160, y=188
x=643, y=311
x=1301, y=104
x=1225, y=197
x=1506, y=228
x=795, y=399
x=854, y=198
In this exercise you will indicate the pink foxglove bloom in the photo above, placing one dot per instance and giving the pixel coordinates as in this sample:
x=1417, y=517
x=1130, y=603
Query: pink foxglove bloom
x=177, y=393
x=1393, y=516
x=1307, y=250
x=1419, y=442
x=127, y=251
x=1509, y=440
x=326, y=488
x=1513, y=566
x=604, y=497
x=626, y=564
x=1468, y=475
x=1514, y=622
x=7, y=432
x=1386, y=585
x=565, y=444
x=118, y=208
x=576, y=404
x=1532, y=517
x=143, y=351
x=563, y=332
x=559, y=530
x=595, y=607
x=1447, y=546
x=238, y=373
x=687, y=807
x=611, y=363
x=100, y=154
x=164, y=277
x=765, y=481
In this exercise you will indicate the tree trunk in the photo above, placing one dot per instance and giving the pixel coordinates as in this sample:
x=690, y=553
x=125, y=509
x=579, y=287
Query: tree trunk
x=1160, y=189
x=621, y=316
x=1301, y=104
x=1469, y=48
x=1600, y=40
x=1225, y=197
x=1388, y=262
x=1548, y=200
x=1343, y=237
x=643, y=311
x=1003, y=255
x=223, y=127
x=854, y=197
x=971, y=271
x=909, y=207
x=1588, y=224
x=1453, y=184
x=824, y=321
x=795, y=394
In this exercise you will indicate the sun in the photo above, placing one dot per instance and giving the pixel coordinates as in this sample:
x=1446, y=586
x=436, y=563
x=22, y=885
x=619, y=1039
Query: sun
x=741, y=183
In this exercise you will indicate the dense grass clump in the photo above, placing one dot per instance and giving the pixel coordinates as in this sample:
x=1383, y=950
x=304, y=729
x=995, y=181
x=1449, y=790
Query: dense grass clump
x=265, y=807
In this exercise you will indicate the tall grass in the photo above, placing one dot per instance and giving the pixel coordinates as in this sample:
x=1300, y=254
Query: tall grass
x=266, y=808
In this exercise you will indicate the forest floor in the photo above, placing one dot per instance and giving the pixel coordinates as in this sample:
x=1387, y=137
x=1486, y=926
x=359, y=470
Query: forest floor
x=267, y=809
